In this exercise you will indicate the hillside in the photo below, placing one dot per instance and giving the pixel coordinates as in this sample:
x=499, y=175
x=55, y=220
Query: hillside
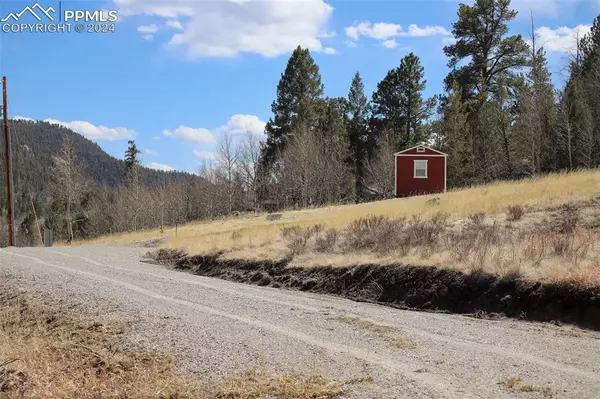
x=542, y=228
x=34, y=144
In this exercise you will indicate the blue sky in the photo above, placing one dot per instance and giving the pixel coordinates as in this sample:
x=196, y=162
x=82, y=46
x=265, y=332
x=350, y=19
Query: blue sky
x=175, y=75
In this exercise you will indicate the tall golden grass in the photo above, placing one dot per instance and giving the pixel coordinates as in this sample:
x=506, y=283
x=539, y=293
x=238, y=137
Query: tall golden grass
x=252, y=234
x=254, y=237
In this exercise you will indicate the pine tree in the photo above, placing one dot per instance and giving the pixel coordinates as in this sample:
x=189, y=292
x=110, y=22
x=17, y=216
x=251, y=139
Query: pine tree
x=398, y=101
x=577, y=129
x=456, y=140
x=131, y=157
x=590, y=47
x=537, y=140
x=132, y=181
x=298, y=91
x=590, y=50
x=358, y=109
x=337, y=176
x=479, y=34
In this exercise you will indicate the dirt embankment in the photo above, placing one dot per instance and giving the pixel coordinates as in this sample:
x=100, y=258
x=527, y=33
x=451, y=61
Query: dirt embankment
x=422, y=288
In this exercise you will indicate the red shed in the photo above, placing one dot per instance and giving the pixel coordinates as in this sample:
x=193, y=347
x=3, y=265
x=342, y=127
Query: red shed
x=420, y=170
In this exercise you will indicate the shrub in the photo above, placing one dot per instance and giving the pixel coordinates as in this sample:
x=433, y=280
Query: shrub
x=427, y=232
x=476, y=242
x=378, y=234
x=567, y=219
x=461, y=245
x=326, y=242
x=514, y=213
x=535, y=250
x=477, y=219
x=317, y=228
x=561, y=245
x=360, y=233
x=391, y=237
x=296, y=239
x=236, y=235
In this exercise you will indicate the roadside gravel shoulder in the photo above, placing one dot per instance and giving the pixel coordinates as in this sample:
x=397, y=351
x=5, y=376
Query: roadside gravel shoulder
x=215, y=327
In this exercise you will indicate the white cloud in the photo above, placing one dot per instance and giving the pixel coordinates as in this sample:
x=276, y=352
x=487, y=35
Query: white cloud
x=23, y=118
x=416, y=31
x=350, y=43
x=191, y=135
x=392, y=43
x=94, y=132
x=449, y=40
x=174, y=24
x=242, y=124
x=330, y=50
x=327, y=35
x=148, y=29
x=378, y=30
x=238, y=124
x=228, y=28
x=208, y=155
x=561, y=39
x=160, y=166
x=150, y=152
x=385, y=32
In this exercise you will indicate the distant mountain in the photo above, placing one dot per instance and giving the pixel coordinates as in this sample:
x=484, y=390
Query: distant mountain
x=35, y=143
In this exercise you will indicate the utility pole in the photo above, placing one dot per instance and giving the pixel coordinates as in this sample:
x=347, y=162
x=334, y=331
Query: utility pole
x=7, y=162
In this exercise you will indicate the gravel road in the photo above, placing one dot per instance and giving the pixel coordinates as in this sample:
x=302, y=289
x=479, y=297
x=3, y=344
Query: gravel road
x=216, y=327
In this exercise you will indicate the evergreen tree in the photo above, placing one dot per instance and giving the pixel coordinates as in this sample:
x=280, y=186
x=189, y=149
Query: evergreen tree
x=357, y=112
x=337, y=176
x=590, y=47
x=590, y=50
x=298, y=92
x=398, y=101
x=133, y=192
x=576, y=129
x=537, y=142
x=480, y=38
x=131, y=157
x=456, y=140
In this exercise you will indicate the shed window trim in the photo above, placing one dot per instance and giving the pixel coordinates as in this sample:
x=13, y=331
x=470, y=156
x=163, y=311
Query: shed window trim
x=420, y=149
x=420, y=165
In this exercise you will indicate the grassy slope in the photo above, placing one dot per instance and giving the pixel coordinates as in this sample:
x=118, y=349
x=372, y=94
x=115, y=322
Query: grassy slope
x=255, y=237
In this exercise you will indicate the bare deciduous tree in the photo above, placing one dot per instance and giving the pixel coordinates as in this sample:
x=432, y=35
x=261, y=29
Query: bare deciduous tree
x=302, y=164
x=226, y=166
x=380, y=168
x=68, y=183
x=249, y=163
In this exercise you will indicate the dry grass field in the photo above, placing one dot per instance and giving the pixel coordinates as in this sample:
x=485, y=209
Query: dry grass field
x=542, y=228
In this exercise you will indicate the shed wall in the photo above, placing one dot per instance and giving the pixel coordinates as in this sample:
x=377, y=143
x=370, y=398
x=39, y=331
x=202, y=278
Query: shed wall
x=407, y=185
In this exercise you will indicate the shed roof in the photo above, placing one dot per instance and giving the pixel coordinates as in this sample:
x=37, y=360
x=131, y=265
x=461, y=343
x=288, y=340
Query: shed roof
x=404, y=152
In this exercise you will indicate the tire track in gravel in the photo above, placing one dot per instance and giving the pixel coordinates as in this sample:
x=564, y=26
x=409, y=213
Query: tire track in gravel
x=460, y=342
x=442, y=389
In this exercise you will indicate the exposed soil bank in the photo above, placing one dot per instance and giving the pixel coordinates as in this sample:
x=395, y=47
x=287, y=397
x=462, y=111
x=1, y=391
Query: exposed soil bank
x=424, y=288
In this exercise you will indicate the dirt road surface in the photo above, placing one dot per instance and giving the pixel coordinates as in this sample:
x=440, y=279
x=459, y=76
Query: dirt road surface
x=215, y=328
